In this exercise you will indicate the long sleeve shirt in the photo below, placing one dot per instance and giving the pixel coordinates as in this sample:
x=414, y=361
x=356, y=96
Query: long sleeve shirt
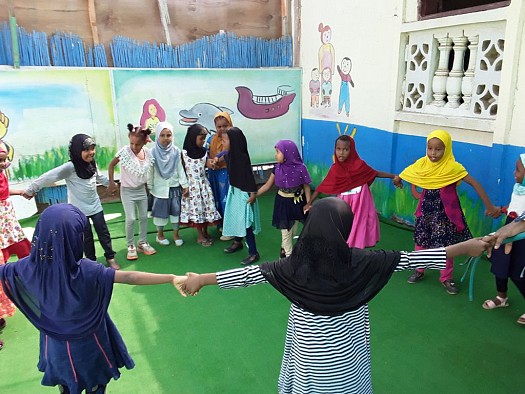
x=82, y=193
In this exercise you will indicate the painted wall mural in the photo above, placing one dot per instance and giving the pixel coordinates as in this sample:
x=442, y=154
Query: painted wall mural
x=323, y=88
x=40, y=109
x=263, y=103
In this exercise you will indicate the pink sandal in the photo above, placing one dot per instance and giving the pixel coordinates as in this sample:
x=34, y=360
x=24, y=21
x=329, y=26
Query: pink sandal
x=521, y=319
x=498, y=302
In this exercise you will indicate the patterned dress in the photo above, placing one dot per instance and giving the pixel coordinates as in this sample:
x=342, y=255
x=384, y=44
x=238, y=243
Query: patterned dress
x=199, y=206
x=433, y=228
x=7, y=309
x=327, y=354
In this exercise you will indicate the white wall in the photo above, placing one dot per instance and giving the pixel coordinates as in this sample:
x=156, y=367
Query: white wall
x=364, y=32
x=373, y=34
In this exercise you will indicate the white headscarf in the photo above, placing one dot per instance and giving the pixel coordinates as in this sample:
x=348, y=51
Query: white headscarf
x=165, y=157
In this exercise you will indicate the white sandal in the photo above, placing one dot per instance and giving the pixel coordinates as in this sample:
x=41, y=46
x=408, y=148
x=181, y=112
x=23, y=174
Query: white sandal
x=521, y=319
x=490, y=304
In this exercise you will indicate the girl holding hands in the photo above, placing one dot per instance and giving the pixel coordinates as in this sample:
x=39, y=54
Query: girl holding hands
x=135, y=163
x=439, y=218
x=167, y=183
x=349, y=178
x=291, y=177
x=198, y=207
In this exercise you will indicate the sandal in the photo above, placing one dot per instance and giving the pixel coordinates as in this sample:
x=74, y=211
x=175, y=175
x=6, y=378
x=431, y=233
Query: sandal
x=1, y=345
x=497, y=302
x=521, y=319
x=205, y=242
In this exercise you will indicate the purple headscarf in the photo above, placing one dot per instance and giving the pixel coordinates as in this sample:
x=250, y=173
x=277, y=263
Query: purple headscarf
x=292, y=172
x=62, y=294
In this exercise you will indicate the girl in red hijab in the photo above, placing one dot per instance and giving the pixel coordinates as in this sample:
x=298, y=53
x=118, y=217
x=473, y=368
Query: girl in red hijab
x=349, y=178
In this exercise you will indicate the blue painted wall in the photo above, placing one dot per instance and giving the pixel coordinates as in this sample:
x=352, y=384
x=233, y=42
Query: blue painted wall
x=384, y=150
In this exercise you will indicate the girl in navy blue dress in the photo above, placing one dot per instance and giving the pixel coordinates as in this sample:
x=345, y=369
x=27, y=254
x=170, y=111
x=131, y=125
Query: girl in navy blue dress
x=66, y=297
x=511, y=265
x=291, y=177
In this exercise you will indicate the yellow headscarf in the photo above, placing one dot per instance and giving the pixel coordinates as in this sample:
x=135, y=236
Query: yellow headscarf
x=435, y=175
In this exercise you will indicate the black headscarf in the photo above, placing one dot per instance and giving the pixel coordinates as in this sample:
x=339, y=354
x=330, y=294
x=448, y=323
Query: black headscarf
x=78, y=143
x=323, y=275
x=239, y=164
x=190, y=141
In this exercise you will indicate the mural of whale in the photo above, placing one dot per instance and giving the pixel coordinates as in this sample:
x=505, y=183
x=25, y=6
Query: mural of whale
x=202, y=113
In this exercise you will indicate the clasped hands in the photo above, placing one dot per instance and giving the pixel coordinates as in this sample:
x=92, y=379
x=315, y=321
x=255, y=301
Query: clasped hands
x=188, y=284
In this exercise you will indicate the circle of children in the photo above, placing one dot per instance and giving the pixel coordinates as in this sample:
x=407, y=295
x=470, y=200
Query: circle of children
x=328, y=275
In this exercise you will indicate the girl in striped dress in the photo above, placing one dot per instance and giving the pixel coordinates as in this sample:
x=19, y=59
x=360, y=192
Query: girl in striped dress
x=327, y=345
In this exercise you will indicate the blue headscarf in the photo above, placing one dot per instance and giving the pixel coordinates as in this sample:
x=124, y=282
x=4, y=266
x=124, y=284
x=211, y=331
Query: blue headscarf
x=165, y=157
x=62, y=294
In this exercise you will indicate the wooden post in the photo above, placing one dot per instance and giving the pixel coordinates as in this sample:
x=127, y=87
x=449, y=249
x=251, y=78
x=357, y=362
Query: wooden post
x=93, y=21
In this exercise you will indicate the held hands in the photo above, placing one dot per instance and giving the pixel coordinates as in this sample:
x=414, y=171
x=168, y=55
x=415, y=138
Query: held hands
x=178, y=283
x=193, y=284
x=307, y=207
x=112, y=188
x=397, y=182
x=493, y=212
x=252, y=198
x=26, y=195
x=185, y=192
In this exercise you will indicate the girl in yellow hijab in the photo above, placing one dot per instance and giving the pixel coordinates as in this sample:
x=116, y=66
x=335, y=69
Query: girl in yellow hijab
x=439, y=218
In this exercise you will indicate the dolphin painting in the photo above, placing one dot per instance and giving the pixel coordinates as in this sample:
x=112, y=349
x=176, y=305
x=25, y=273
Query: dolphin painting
x=202, y=113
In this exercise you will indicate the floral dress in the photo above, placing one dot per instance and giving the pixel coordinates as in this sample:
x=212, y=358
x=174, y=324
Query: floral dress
x=7, y=309
x=199, y=206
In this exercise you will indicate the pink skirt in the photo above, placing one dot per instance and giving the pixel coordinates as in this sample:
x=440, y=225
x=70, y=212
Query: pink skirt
x=365, y=228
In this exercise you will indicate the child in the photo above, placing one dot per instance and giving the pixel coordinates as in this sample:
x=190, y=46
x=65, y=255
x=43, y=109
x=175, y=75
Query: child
x=81, y=176
x=439, y=218
x=350, y=177
x=511, y=265
x=344, y=90
x=291, y=176
x=7, y=309
x=167, y=183
x=218, y=173
x=241, y=215
x=315, y=88
x=135, y=163
x=12, y=237
x=327, y=345
x=66, y=298
x=198, y=207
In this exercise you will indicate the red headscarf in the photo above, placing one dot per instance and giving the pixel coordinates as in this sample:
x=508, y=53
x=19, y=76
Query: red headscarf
x=346, y=175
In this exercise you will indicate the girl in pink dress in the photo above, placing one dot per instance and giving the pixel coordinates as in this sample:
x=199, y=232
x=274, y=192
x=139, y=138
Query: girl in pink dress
x=350, y=177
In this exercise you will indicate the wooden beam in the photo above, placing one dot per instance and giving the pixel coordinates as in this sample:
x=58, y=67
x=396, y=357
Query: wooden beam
x=93, y=21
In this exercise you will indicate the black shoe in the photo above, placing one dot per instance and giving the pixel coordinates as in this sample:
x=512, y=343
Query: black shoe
x=415, y=277
x=3, y=323
x=450, y=287
x=251, y=259
x=282, y=255
x=234, y=247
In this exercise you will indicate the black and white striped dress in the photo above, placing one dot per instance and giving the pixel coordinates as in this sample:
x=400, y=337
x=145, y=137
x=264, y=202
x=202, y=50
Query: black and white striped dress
x=328, y=354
